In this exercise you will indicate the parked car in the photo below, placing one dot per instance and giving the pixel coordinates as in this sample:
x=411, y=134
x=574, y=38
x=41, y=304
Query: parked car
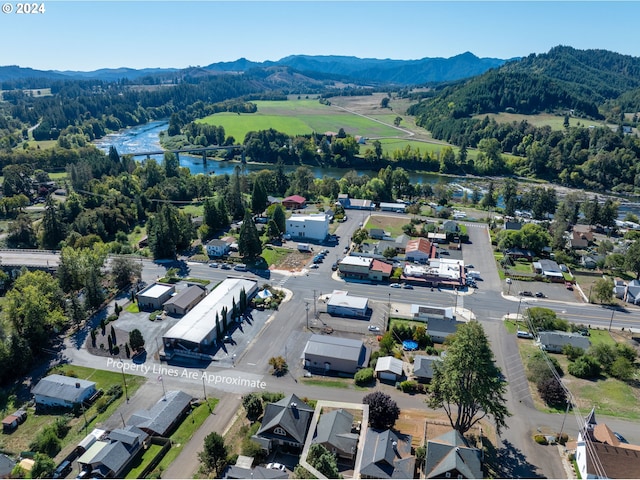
x=346, y=250
x=314, y=266
x=395, y=285
x=227, y=339
x=470, y=265
x=524, y=334
x=276, y=466
x=509, y=281
x=214, y=265
x=334, y=267
x=407, y=286
x=225, y=266
x=525, y=293
x=620, y=438
x=373, y=328
x=241, y=267
x=540, y=295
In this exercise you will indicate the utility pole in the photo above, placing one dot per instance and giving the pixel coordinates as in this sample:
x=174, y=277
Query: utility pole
x=611, y=321
x=306, y=307
x=315, y=314
x=124, y=380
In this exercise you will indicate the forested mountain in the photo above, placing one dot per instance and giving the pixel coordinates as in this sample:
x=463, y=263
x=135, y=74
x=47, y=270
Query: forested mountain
x=354, y=69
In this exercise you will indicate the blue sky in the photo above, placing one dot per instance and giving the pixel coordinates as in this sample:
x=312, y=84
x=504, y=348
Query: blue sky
x=80, y=35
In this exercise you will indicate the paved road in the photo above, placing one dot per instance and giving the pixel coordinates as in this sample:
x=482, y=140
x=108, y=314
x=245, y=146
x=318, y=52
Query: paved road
x=285, y=334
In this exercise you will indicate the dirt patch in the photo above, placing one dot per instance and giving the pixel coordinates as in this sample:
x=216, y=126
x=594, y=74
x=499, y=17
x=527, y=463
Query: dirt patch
x=293, y=262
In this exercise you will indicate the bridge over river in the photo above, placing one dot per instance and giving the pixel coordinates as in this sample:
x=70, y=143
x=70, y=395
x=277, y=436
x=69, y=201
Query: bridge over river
x=190, y=150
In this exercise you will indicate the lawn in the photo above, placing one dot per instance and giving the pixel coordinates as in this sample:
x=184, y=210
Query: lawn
x=393, y=225
x=556, y=122
x=274, y=255
x=144, y=460
x=19, y=440
x=329, y=382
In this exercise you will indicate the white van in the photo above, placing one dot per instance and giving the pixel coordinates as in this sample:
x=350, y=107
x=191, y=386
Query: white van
x=241, y=267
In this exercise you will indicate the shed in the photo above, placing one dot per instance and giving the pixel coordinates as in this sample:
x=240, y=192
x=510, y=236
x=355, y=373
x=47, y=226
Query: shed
x=389, y=368
x=185, y=300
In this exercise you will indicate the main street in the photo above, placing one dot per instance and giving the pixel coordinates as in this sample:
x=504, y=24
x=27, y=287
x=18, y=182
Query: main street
x=285, y=333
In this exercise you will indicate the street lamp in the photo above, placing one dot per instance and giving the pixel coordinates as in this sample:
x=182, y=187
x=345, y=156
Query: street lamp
x=124, y=380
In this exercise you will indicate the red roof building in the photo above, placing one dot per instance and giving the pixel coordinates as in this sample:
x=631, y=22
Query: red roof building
x=294, y=202
x=380, y=270
x=419, y=250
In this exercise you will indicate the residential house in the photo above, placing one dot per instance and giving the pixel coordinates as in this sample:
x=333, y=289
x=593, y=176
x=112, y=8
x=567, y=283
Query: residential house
x=378, y=234
x=333, y=354
x=619, y=288
x=399, y=244
x=308, y=227
x=380, y=271
x=112, y=458
x=165, y=415
x=389, y=368
x=355, y=203
x=580, y=239
x=387, y=454
x=450, y=227
x=426, y=313
x=549, y=269
x=154, y=296
x=555, y=341
x=587, y=261
x=284, y=424
x=61, y=391
x=516, y=253
x=420, y=250
x=440, y=329
x=437, y=237
x=450, y=456
x=397, y=207
x=294, y=202
x=341, y=304
x=336, y=432
x=423, y=367
x=6, y=466
x=185, y=300
x=217, y=248
x=633, y=292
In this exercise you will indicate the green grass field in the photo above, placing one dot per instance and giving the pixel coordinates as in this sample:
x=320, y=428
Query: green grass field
x=556, y=122
x=298, y=117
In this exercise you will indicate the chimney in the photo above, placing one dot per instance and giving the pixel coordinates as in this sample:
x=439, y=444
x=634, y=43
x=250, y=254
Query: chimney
x=394, y=444
x=77, y=384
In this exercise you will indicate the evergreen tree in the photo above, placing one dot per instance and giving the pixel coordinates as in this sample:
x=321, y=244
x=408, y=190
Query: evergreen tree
x=214, y=455
x=489, y=198
x=53, y=229
x=236, y=204
x=258, y=197
x=281, y=180
x=280, y=218
x=249, y=244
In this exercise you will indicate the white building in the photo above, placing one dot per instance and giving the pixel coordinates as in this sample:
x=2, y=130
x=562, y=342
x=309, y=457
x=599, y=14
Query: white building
x=392, y=207
x=343, y=305
x=311, y=227
x=218, y=248
x=198, y=328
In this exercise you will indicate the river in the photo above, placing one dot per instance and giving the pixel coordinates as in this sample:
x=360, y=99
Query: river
x=144, y=138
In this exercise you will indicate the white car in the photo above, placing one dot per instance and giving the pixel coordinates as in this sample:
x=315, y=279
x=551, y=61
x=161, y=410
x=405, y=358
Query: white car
x=373, y=328
x=395, y=285
x=276, y=466
x=509, y=281
x=314, y=265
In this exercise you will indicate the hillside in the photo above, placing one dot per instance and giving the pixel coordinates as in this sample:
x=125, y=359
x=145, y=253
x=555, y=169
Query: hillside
x=345, y=68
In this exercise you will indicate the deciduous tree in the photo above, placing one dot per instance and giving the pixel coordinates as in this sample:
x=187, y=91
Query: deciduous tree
x=214, y=455
x=383, y=410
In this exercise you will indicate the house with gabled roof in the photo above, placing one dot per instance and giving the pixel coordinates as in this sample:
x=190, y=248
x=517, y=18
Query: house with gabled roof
x=450, y=456
x=387, y=454
x=419, y=250
x=555, y=341
x=440, y=328
x=285, y=423
x=423, y=367
x=61, y=391
x=185, y=300
x=335, y=433
x=294, y=202
x=166, y=414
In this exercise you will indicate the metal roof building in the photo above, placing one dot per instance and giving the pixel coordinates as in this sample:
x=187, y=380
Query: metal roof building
x=344, y=305
x=197, y=328
x=335, y=354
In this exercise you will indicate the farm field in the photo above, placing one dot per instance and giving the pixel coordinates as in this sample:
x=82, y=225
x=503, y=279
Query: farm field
x=556, y=122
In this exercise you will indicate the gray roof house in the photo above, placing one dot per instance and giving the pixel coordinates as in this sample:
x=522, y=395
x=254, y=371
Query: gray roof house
x=440, y=328
x=164, y=415
x=111, y=458
x=284, y=423
x=423, y=367
x=217, y=247
x=335, y=432
x=327, y=353
x=61, y=391
x=450, y=456
x=387, y=454
x=633, y=292
x=554, y=341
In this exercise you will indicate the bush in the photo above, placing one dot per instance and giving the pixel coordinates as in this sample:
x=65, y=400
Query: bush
x=541, y=439
x=552, y=393
x=409, y=386
x=364, y=377
x=572, y=352
x=46, y=442
x=585, y=367
x=115, y=391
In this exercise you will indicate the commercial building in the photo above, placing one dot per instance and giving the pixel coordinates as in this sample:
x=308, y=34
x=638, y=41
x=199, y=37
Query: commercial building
x=364, y=268
x=440, y=271
x=308, y=227
x=393, y=207
x=355, y=203
x=327, y=354
x=198, y=328
x=419, y=250
x=154, y=296
x=185, y=300
x=341, y=304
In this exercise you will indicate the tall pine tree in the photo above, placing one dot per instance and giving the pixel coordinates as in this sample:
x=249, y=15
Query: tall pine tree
x=249, y=243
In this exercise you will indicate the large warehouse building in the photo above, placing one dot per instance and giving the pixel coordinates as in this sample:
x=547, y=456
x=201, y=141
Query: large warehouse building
x=197, y=329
